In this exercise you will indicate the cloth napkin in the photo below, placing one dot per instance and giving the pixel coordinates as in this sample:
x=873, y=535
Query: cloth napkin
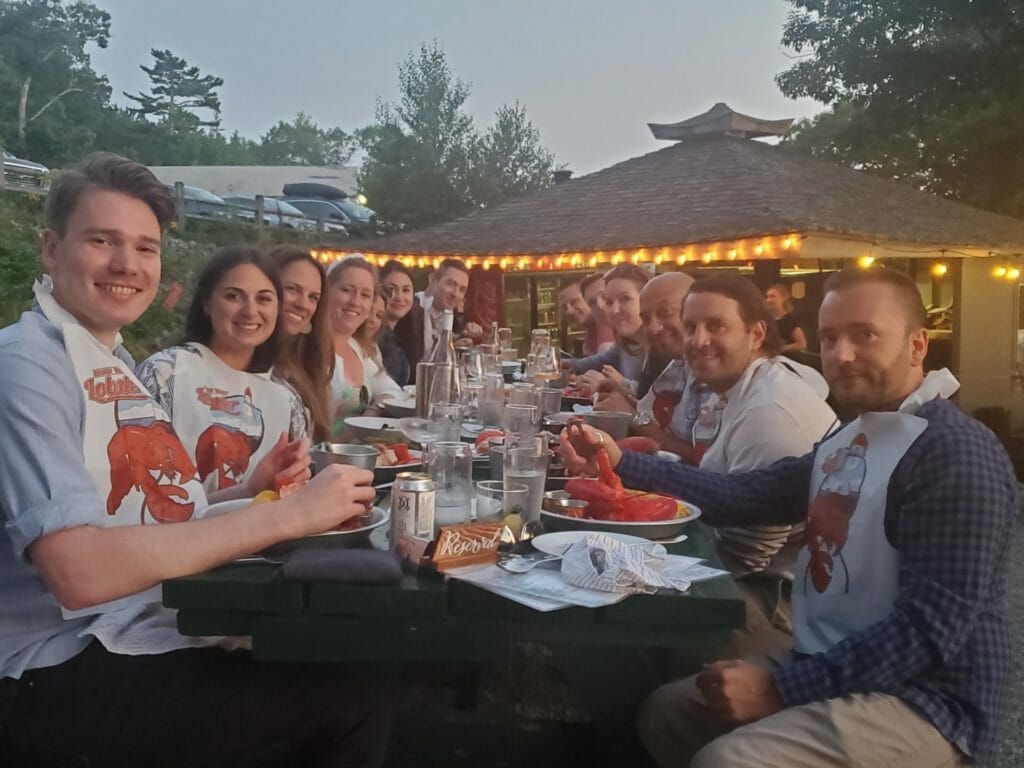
x=355, y=566
x=609, y=565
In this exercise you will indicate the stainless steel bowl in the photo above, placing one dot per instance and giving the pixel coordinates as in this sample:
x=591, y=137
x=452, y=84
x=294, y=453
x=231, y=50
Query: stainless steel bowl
x=570, y=507
x=325, y=454
x=551, y=497
x=615, y=423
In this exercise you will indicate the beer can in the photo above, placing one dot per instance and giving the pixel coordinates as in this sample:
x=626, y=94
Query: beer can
x=412, y=507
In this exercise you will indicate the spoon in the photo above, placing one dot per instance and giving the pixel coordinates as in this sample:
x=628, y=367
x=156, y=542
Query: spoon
x=520, y=564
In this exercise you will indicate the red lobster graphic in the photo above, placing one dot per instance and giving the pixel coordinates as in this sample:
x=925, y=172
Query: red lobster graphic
x=828, y=520
x=224, y=451
x=664, y=407
x=134, y=453
x=607, y=499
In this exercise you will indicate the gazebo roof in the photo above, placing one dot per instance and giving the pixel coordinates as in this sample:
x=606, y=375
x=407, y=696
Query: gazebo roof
x=712, y=188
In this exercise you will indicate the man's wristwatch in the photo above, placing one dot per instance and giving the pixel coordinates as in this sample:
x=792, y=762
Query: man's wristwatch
x=641, y=419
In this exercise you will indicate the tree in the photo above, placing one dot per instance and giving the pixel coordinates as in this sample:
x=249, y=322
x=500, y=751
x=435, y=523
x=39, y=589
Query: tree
x=43, y=57
x=426, y=162
x=303, y=142
x=177, y=92
x=925, y=91
x=510, y=159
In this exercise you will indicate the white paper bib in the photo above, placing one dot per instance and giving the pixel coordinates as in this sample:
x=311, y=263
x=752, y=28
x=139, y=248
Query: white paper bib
x=227, y=419
x=847, y=575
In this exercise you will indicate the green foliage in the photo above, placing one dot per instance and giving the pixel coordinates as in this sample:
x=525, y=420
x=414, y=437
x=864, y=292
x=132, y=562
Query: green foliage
x=47, y=85
x=177, y=91
x=303, y=142
x=425, y=161
x=21, y=221
x=930, y=92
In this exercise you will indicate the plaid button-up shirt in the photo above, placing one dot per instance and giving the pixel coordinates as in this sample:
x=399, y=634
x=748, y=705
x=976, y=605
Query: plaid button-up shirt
x=951, y=506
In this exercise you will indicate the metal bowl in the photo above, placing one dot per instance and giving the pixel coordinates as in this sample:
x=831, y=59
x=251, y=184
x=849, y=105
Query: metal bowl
x=550, y=497
x=615, y=423
x=375, y=429
x=354, y=537
x=570, y=507
x=325, y=454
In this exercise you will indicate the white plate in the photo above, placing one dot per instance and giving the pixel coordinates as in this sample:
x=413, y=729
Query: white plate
x=653, y=529
x=224, y=506
x=557, y=543
x=376, y=428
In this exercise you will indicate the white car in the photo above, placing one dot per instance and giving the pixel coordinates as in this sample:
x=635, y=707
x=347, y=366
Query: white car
x=23, y=174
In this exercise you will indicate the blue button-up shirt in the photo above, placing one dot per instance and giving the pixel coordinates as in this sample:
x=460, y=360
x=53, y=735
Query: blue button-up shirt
x=951, y=507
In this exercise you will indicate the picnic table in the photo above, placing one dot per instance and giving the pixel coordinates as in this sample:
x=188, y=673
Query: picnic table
x=426, y=619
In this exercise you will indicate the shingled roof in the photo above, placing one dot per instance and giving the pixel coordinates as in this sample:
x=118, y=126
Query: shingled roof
x=712, y=188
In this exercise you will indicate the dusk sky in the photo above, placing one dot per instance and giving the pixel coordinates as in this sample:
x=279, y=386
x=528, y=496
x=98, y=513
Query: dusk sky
x=591, y=73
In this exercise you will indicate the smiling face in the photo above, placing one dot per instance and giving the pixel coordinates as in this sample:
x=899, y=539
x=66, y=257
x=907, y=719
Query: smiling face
x=243, y=310
x=373, y=322
x=449, y=287
x=106, y=267
x=302, y=289
x=351, y=296
x=871, y=356
x=719, y=345
x=573, y=305
x=397, y=286
x=661, y=310
x=622, y=298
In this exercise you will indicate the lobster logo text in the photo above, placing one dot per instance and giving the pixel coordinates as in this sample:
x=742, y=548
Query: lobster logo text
x=108, y=385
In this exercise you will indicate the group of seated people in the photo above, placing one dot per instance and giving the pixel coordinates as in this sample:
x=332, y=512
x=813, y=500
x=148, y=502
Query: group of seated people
x=871, y=556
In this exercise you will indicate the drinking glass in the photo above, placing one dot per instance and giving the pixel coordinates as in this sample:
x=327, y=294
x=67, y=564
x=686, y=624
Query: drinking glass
x=522, y=394
x=549, y=400
x=450, y=466
x=520, y=420
x=495, y=500
x=492, y=400
x=448, y=420
x=471, y=400
x=526, y=462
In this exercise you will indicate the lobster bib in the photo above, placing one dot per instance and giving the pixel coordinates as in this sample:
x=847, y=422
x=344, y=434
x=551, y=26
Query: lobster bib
x=142, y=472
x=847, y=574
x=227, y=419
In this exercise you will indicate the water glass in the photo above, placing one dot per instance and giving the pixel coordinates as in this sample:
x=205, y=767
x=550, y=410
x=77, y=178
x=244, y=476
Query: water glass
x=471, y=400
x=522, y=394
x=491, y=401
x=549, y=399
x=495, y=500
x=450, y=466
x=520, y=420
x=446, y=419
x=526, y=462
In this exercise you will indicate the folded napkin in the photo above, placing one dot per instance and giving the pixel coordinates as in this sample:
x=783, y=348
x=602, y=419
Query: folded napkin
x=609, y=565
x=355, y=566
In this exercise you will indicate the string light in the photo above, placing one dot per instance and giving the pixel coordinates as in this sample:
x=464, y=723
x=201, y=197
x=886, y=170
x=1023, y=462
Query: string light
x=865, y=261
x=1012, y=273
x=939, y=269
x=999, y=271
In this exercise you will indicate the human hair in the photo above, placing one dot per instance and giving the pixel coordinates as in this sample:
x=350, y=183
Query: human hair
x=363, y=337
x=458, y=264
x=783, y=291
x=751, y=303
x=199, y=328
x=589, y=280
x=575, y=281
x=110, y=172
x=306, y=361
x=356, y=260
x=630, y=272
x=396, y=266
x=902, y=286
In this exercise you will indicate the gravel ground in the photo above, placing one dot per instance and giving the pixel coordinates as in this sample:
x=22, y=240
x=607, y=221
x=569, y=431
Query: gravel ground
x=1011, y=747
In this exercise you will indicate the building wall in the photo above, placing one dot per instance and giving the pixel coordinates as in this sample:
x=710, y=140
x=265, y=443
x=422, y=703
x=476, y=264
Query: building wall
x=986, y=340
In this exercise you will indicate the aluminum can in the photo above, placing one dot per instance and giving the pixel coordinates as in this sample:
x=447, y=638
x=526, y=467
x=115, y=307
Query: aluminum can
x=412, y=507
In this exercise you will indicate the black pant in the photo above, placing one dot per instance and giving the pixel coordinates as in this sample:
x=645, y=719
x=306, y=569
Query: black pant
x=191, y=708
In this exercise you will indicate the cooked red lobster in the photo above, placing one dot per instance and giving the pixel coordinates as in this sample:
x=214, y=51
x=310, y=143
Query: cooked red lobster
x=608, y=500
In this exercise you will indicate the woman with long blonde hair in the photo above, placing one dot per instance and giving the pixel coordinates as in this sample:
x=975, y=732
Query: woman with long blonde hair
x=306, y=356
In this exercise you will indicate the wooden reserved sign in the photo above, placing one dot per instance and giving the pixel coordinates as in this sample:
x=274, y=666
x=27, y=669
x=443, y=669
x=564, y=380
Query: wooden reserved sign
x=471, y=544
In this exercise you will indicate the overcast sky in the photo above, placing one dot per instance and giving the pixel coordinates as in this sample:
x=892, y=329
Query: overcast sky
x=591, y=73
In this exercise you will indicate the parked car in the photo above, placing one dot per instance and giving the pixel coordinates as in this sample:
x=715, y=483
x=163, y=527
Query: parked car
x=276, y=213
x=333, y=205
x=23, y=174
x=203, y=204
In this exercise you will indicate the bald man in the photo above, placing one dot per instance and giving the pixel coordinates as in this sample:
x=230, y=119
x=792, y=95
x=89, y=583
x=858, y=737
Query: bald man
x=661, y=414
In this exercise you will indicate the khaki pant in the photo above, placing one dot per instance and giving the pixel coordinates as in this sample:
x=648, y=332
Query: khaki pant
x=864, y=730
x=769, y=624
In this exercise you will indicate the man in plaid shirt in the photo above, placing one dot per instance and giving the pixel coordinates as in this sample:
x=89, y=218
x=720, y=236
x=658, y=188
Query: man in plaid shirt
x=901, y=646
